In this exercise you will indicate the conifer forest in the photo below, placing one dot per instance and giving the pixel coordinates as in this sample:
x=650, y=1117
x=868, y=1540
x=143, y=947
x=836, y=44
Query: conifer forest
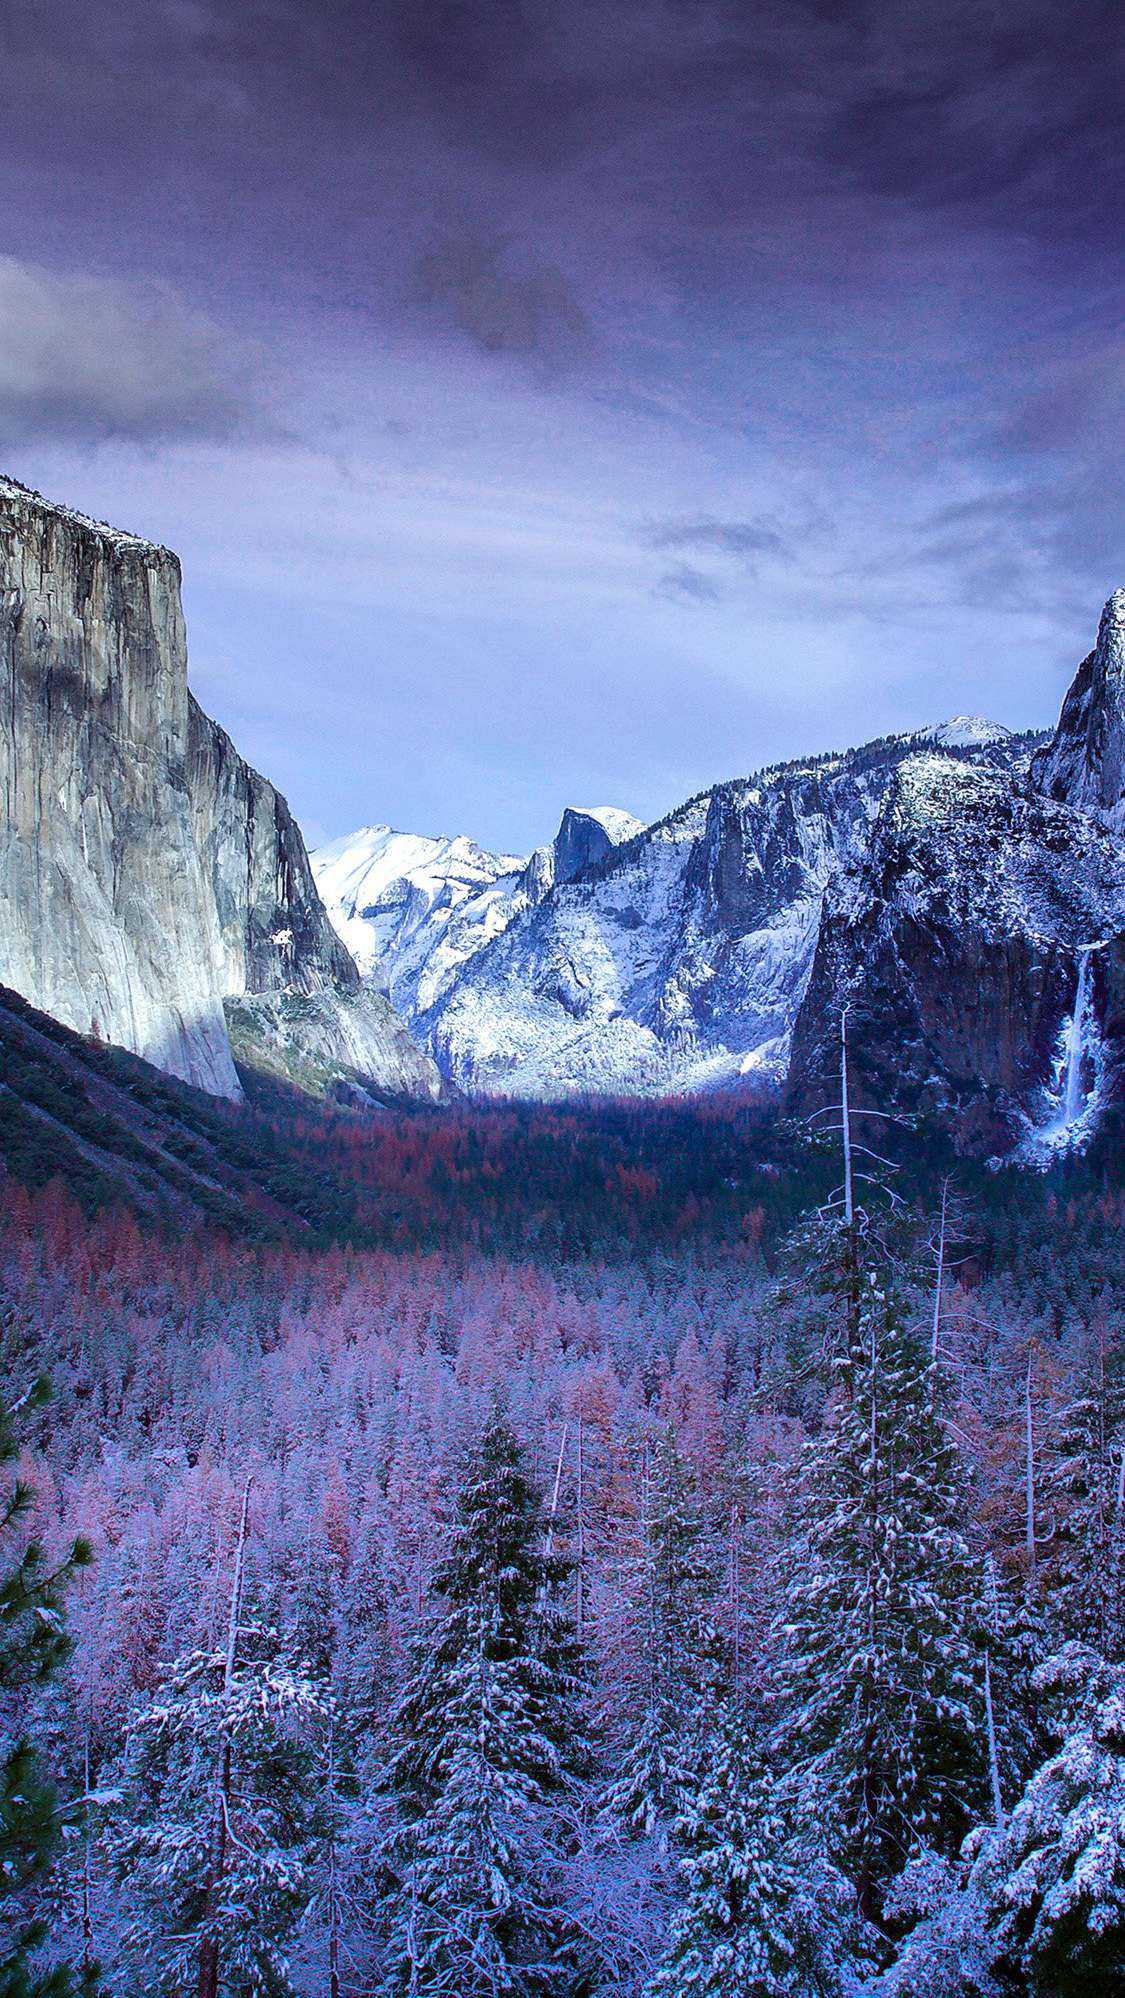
x=640, y=1551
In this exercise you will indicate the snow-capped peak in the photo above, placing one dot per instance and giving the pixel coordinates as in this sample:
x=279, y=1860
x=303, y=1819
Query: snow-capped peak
x=967, y=732
x=619, y=825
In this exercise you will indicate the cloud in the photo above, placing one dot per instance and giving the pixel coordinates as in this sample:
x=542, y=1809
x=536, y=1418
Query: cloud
x=742, y=539
x=84, y=358
x=684, y=584
x=505, y=304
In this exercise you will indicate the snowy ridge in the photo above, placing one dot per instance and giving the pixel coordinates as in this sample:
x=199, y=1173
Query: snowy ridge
x=16, y=493
x=414, y=909
x=710, y=948
x=624, y=959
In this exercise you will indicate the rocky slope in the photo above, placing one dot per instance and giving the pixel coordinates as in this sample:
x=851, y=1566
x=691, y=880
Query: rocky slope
x=414, y=910
x=979, y=945
x=148, y=876
x=944, y=885
x=1084, y=762
x=956, y=945
x=673, y=959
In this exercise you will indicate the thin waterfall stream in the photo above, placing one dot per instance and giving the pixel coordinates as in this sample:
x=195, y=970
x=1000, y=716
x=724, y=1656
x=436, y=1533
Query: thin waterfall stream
x=1074, y=1100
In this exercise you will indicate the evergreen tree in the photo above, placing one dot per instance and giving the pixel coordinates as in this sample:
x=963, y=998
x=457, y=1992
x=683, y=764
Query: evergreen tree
x=488, y=1739
x=764, y=1914
x=672, y=1655
x=1081, y=1498
x=1036, y=1906
x=218, y=1826
x=882, y=1675
x=1050, y=1885
x=33, y=1646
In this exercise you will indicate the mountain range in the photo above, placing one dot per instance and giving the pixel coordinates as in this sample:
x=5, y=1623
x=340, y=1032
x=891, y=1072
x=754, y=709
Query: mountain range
x=956, y=893
x=942, y=884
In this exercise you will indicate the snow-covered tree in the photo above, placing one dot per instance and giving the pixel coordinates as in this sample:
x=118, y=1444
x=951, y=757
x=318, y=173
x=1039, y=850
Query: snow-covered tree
x=217, y=1821
x=765, y=1914
x=884, y=1726
x=1082, y=1497
x=669, y=1649
x=1035, y=1908
x=33, y=1646
x=488, y=1740
x=1051, y=1884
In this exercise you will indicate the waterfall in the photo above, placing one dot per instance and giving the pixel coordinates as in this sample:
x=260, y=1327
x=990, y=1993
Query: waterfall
x=1074, y=1101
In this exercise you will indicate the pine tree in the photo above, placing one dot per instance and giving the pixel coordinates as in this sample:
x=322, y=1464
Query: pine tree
x=1036, y=1906
x=1081, y=1496
x=764, y=1914
x=672, y=1655
x=488, y=1738
x=884, y=1725
x=33, y=1646
x=217, y=1824
x=1051, y=1884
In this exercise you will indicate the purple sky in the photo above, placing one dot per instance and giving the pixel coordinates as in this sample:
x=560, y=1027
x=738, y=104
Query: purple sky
x=577, y=402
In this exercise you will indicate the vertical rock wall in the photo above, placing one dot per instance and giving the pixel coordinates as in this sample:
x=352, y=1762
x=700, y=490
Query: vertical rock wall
x=105, y=918
x=147, y=873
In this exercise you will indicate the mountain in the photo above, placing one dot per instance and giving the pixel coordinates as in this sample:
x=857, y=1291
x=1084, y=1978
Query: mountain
x=413, y=910
x=155, y=891
x=956, y=944
x=626, y=959
x=1084, y=762
x=943, y=884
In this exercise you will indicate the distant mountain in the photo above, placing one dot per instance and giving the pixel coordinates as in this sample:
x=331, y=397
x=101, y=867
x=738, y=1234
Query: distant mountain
x=942, y=883
x=413, y=910
x=155, y=891
x=958, y=890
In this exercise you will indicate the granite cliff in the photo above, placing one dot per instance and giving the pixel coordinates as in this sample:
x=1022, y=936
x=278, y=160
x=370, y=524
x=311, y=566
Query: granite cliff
x=151, y=883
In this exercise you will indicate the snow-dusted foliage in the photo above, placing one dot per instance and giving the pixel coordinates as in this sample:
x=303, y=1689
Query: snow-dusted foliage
x=1051, y=1885
x=215, y=1828
x=708, y=1668
x=1036, y=1905
x=669, y=1648
x=882, y=1666
x=486, y=1733
x=765, y=1913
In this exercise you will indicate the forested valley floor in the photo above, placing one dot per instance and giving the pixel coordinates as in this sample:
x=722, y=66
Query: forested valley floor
x=554, y=1552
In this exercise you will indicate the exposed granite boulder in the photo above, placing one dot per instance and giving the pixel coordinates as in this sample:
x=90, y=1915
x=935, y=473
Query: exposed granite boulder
x=147, y=873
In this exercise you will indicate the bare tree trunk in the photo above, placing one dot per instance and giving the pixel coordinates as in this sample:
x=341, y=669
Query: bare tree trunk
x=333, y=1883
x=993, y=1759
x=735, y=1594
x=935, y=1342
x=579, y=1568
x=1029, y=1478
x=865, y=1885
x=87, y=1918
x=208, y=1984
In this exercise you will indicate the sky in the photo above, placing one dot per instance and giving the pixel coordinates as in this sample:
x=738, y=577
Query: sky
x=556, y=402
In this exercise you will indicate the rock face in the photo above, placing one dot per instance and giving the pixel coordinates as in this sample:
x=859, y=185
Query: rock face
x=678, y=963
x=414, y=910
x=943, y=884
x=586, y=837
x=1084, y=762
x=955, y=946
x=147, y=874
